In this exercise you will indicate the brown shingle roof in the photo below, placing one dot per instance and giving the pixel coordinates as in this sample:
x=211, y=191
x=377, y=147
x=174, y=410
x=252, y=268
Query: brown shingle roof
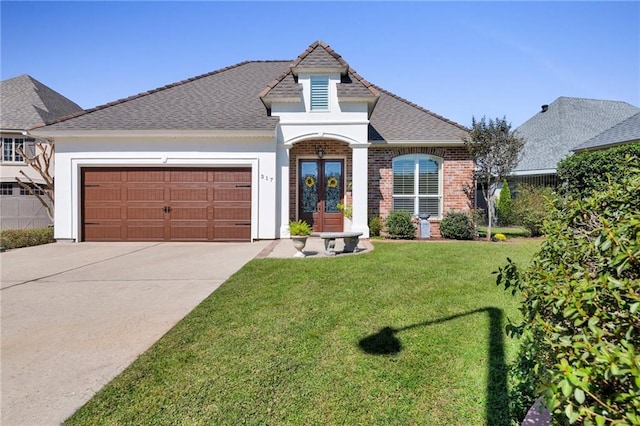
x=397, y=119
x=230, y=99
x=225, y=99
x=318, y=56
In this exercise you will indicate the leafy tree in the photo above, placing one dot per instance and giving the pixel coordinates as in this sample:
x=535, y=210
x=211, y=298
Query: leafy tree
x=496, y=150
x=504, y=208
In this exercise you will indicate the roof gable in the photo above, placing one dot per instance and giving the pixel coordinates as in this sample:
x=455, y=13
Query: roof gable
x=26, y=101
x=319, y=57
x=567, y=122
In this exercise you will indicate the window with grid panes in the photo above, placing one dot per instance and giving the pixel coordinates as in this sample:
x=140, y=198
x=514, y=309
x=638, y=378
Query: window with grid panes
x=6, y=189
x=417, y=184
x=10, y=148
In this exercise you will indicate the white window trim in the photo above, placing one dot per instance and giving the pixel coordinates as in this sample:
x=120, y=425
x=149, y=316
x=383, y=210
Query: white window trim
x=14, y=153
x=416, y=182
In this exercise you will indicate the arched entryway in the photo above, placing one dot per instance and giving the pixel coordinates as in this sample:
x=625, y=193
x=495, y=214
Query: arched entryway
x=320, y=172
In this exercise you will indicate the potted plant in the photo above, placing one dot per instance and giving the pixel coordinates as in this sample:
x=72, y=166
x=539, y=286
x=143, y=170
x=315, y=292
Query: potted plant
x=299, y=231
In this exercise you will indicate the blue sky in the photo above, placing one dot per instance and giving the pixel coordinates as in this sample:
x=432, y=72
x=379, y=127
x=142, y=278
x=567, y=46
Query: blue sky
x=457, y=59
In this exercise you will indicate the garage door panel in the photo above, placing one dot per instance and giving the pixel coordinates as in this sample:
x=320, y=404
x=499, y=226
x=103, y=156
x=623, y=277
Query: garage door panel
x=102, y=194
x=153, y=204
x=189, y=231
x=188, y=194
x=232, y=175
x=190, y=213
x=145, y=213
x=178, y=176
x=103, y=213
x=231, y=231
x=231, y=194
x=145, y=194
x=145, y=231
x=103, y=232
x=145, y=175
x=102, y=176
x=232, y=212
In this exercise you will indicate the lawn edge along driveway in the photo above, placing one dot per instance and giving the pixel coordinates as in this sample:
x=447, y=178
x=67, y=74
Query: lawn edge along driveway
x=74, y=316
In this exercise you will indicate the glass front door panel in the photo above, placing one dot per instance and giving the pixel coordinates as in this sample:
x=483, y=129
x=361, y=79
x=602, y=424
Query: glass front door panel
x=309, y=189
x=332, y=186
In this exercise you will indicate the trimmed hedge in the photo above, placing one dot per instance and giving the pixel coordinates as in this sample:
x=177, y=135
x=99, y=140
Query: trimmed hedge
x=16, y=238
x=457, y=226
x=400, y=226
x=583, y=173
x=581, y=308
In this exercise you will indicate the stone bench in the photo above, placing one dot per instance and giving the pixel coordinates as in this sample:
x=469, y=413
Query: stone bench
x=351, y=240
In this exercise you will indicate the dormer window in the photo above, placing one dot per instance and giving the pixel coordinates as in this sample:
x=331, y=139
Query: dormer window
x=319, y=93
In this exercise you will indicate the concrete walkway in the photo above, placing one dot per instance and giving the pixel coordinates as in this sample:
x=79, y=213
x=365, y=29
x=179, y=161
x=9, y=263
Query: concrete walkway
x=314, y=248
x=76, y=315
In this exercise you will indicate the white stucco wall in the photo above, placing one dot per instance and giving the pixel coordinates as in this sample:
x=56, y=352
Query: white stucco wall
x=73, y=153
x=347, y=122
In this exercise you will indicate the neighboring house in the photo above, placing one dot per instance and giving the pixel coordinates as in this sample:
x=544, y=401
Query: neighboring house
x=235, y=154
x=558, y=128
x=624, y=133
x=24, y=102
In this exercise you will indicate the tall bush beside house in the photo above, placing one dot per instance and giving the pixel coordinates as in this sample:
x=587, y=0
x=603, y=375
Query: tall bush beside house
x=531, y=207
x=504, y=208
x=581, y=309
x=457, y=226
x=585, y=172
x=400, y=226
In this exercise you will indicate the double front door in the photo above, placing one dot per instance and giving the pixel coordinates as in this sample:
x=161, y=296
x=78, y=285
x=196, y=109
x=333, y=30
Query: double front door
x=321, y=189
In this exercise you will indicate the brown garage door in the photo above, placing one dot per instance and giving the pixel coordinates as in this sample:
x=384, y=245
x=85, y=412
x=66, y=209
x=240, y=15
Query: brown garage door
x=166, y=204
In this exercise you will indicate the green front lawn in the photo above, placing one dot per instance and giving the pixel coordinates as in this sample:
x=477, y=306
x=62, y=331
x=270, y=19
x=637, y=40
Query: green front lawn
x=411, y=333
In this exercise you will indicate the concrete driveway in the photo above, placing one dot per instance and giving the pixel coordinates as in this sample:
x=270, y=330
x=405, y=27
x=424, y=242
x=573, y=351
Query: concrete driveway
x=76, y=315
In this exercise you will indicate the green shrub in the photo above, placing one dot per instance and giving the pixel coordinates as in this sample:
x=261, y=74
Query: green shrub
x=581, y=307
x=504, y=207
x=457, y=226
x=16, y=238
x=299, y=228
x=375, y=226
x=400, y=226
x=583, y=173
x=531, y=207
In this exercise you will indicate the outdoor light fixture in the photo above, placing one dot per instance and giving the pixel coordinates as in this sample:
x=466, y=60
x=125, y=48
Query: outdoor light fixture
x=320, y=151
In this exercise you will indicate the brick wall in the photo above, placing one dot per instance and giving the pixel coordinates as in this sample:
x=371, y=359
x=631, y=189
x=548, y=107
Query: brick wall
x=457, y=175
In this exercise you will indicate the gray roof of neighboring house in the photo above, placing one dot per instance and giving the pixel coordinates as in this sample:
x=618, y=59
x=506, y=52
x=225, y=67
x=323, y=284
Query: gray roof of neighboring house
x=622, y=133
x=568, y=122
x=25, y=102
x=230, y=99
